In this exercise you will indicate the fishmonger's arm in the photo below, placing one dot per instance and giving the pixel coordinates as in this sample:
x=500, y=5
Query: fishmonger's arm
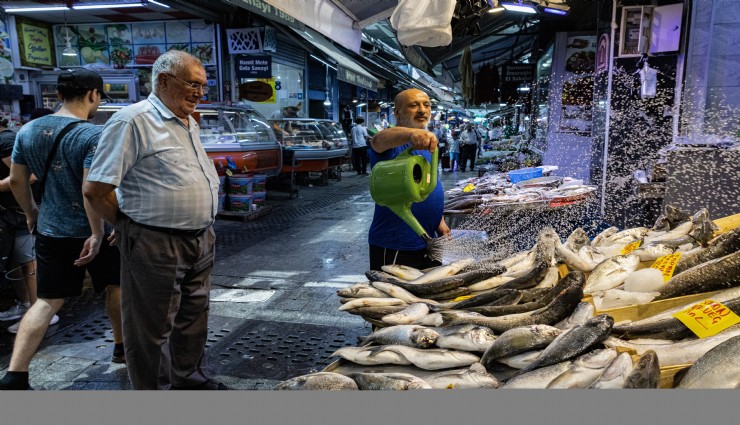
x=396, y=136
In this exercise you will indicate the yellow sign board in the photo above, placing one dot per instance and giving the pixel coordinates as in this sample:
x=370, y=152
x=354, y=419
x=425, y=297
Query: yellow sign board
x=469, y=188
x=631, y=247
x=35, y=46
x=666, y=265
x=707, y=318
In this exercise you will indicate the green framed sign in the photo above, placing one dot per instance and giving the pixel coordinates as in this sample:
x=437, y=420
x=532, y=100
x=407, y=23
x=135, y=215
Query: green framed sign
x=35, y=43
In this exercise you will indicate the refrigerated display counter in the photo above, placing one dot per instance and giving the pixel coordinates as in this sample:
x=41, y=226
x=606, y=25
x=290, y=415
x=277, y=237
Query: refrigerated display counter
x=236, y=136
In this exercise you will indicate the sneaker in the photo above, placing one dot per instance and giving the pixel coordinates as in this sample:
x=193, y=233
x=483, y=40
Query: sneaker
x=119, y=356
x=13, y=313
x=14, y=327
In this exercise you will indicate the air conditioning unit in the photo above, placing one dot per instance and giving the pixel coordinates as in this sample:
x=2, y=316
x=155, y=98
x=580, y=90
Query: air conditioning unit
x=634, y=33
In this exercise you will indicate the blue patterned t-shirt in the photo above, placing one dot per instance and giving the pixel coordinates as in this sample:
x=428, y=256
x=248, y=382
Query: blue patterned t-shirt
x=62, y=210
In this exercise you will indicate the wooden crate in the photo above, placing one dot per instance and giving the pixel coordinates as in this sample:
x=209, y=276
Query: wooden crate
x=643, y=311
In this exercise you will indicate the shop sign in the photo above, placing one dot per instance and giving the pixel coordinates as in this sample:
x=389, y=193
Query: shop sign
x=270, y=12
x=261, y=90
x=34, y=44
x=351, y=77
x=250, y=66
x=518, y=73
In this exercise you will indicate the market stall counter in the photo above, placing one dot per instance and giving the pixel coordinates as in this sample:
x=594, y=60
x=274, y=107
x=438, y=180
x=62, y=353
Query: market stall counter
x=310, y=145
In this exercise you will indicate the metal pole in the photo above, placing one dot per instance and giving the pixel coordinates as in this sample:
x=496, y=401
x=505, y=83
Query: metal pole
x=608, y=107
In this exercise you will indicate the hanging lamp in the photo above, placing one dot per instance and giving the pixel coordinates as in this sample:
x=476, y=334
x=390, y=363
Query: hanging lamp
x=327, y=101
x=68, y=49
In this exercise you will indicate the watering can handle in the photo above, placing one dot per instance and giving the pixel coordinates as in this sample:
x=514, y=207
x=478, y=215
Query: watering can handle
x=433, y=172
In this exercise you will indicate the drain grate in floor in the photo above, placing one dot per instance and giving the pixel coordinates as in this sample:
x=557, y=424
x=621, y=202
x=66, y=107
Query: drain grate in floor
x=276, y=350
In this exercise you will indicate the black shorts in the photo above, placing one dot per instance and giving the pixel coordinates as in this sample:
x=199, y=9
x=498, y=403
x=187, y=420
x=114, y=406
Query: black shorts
x=58, y=277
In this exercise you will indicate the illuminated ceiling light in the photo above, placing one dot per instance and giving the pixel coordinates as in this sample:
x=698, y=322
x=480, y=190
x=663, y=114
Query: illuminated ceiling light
x=494, y=6
x=327, y=102
x=68, y=49
x=35, y=9
x=519, y=7
x=555, y=8
x=158, y=3
x=106, y=6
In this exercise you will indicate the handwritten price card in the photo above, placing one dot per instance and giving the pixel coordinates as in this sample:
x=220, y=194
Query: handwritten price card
x=707, y=318
x=666, y=265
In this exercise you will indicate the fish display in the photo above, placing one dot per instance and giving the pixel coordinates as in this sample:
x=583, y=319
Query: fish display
x=522, y=321
x=323, y=381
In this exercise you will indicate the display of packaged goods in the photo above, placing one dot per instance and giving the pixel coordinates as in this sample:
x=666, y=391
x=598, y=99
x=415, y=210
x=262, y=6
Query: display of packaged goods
x=240, y=203
x=221, y=201
x=240, y=184
x=221, y=182
x=258, y=200
x=259, y=183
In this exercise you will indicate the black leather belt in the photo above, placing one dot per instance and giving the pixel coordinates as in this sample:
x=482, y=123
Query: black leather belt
x=179, y=232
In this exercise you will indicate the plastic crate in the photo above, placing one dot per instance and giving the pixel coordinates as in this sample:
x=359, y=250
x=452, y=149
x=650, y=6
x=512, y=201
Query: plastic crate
x=517, y=176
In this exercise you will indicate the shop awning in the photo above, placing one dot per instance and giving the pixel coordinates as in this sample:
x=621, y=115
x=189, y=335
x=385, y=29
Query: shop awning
x=348, y=70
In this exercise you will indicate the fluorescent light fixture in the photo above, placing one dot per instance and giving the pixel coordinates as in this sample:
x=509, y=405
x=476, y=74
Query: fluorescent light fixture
x=360, y=105
x=35, y=9
x=158, y=3
x=106, y=6
x=324, y=62
x=519, y=7
x=502, y=104
x=555, y=11
x=494, y=6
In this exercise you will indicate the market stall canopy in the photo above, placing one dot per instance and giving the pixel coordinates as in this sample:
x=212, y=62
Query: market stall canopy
x=348, y=70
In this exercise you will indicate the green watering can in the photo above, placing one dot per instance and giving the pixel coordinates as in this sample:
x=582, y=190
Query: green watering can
x=397, y=183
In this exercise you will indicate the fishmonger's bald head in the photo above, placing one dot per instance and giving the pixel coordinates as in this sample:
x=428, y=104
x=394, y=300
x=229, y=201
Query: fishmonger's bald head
x=412, y=108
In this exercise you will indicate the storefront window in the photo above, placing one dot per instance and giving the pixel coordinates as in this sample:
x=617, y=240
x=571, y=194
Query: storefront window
x=287, y=88
x=542, y=95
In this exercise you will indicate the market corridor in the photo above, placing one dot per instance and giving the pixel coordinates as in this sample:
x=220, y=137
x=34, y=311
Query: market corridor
x=273, y=302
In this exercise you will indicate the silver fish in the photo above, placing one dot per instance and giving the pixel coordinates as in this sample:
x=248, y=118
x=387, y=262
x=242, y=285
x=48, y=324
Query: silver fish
x=538, y=378
x=371, y=356
x=400, y=293
x=652, y=252
x=646, y=373
x=389, y=381
x=403, y=272
x=370, y=302
x=585, y=370
x=491, y=282
x=410, y=335
x=680, y=353
x=591, y=255
x=442, y=271
x=574, y=341
x=724, y=244
x=465, y=337
x=434, y=358
x=514, y=259
x=574, y=260
x=432, y=319
x=611, y=273
x=361, y=290
x=616, y=373
x=718, y=368
x=323, y=381
x=407, y=316
x=713, y=275
x=628, y=235
x=517, y=361
x=473, y=377
x=581, y=314
x=682, y=230
x=577, y=239
x=604, y=236
x=551, y=278
x=520, y=340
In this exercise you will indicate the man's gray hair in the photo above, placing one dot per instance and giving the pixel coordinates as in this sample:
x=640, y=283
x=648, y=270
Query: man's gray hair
x=168, y=63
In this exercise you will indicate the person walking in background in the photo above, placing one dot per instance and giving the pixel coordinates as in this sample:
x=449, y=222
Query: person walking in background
x=391, y=240
x=360, y=139
x=454, y=149
x=17, y=242
x=468, y=148
x=152, y=178
x=59, y=148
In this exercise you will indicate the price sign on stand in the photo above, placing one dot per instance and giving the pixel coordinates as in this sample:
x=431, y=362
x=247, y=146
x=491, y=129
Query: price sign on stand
x=707, y=318
x=631, y=247
x=666, y=265
x=468, y=188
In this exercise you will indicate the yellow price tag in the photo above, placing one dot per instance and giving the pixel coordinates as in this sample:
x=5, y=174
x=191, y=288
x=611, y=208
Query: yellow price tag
x=666, y=264
x=707, y=318
x=228, y=172
x=462, y=298
x=631, y=247
x=469, y=187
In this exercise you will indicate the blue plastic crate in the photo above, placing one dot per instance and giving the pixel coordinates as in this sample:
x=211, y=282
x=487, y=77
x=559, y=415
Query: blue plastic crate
x=516, y=176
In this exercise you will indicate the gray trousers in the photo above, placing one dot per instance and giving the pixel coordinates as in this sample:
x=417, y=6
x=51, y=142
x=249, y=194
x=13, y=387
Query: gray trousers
x=165, y=288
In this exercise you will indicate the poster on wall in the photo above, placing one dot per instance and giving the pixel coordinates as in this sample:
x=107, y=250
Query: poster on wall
x=6, y=55
x=578, y=86
x=260, y=90
x=133, y=44
x=34, y=43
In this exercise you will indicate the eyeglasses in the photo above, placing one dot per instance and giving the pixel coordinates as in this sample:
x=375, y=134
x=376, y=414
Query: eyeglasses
x=192, y=86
